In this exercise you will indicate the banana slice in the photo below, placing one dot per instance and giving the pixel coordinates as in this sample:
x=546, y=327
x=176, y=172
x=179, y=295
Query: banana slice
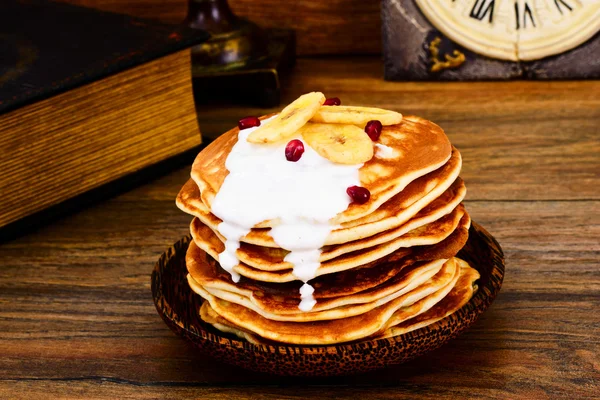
x=289, y=120
x=356, y=115
x=344, y=144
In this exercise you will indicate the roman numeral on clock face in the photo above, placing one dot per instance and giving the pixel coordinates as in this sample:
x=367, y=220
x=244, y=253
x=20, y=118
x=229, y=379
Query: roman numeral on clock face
x=560, y=4
x=522, y=14
x=482, y=9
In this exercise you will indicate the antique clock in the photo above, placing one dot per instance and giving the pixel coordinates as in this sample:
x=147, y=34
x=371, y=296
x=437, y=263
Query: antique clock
x=491, y=39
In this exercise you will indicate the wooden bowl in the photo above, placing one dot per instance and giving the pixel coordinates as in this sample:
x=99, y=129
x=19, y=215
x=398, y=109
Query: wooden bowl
x=178, y=305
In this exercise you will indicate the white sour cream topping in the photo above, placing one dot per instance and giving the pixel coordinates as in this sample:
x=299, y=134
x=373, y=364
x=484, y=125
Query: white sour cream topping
x=384, y=151
x=304, y=195
x=307, y=301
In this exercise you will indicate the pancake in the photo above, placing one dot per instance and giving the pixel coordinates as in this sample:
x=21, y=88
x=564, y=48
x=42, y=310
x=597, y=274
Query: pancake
x=458, y=296
x=205, y=270
x=440, y=179
x=407, y=280
x=188, y=200
x=441, y=187
x=420, y=145
x=339, y=330
x=367, y=250
x=364, y=258
x=435, y=216
x=270, y=259
x=411, y=290
x=454, y=301
x=207, y=314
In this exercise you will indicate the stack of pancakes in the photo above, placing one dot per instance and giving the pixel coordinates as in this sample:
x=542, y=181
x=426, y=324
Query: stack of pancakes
x=388, y=266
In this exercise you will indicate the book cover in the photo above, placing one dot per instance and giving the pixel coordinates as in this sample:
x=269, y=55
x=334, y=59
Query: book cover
x=48, y=47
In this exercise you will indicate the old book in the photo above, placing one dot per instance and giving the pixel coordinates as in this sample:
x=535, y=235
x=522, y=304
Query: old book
x=87, y=97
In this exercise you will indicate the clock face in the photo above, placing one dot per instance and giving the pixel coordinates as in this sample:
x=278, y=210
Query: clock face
x=515, y=29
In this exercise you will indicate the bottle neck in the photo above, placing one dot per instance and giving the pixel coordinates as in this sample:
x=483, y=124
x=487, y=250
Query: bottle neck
x=213, y=16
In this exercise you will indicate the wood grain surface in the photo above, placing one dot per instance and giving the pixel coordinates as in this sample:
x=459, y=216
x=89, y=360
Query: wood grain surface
x=322, y=27
x=77, y=319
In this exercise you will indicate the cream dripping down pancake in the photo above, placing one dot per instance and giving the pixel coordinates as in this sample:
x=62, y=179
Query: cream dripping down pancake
x=441, y=188
x=324, y=224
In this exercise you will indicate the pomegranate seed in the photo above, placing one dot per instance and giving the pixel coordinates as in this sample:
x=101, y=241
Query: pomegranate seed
x=334, y=101
x=359, y=194
x=373, y=129
x=248, y=122
x=294, y=150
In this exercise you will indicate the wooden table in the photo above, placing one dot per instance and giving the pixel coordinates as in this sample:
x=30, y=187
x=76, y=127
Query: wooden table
x=77, y=318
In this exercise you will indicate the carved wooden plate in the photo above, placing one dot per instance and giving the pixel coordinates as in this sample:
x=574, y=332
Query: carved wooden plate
x=178, y=306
